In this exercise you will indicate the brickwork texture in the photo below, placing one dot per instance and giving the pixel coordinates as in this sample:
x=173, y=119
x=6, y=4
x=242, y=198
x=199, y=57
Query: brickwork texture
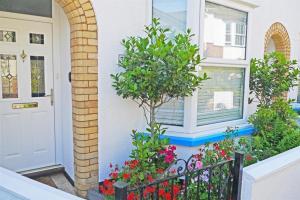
x=84, y=49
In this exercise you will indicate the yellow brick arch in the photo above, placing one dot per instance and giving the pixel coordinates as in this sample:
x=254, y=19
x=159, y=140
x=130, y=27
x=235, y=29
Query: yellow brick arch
x=84, y=49
x=281, y=38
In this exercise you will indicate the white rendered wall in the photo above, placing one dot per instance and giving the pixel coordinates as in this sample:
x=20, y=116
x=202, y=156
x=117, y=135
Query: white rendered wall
x=66, y=94
x=118, y=19
x=277, y=178
x=269, y=12
x=63, y=92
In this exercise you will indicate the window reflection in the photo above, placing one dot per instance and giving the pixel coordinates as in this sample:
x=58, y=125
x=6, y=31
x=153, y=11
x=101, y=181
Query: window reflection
x=225, y=32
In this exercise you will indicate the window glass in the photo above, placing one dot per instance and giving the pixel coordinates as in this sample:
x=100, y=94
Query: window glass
x=221, y=98
x=172, y=13
x=171, y=113
x=9, y=78
x=7, y=36
x=41, y=8
x=36, y=38
x=225, y=32
x=37, y=76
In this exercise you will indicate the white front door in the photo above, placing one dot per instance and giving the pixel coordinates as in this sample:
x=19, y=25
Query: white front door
x=27, y=139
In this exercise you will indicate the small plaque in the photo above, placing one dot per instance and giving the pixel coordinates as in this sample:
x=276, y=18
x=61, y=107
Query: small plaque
x=25, y=105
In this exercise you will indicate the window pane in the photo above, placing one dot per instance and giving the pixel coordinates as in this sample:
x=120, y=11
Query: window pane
x=31, y=7
x=7, y=36
x=171, y=113
x=221, y=24
x=36, y=38
x=37, y=76
x=172, y=13
x=9, y=76
x=221, y=98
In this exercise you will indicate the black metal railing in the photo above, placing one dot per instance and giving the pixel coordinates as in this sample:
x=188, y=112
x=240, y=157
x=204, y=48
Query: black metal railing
x=184, y=180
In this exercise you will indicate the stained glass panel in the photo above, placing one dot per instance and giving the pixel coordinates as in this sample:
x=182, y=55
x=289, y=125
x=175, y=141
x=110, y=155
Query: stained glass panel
x=36, y=38
x=7, y=36
x=9, y=76
x=37, y=76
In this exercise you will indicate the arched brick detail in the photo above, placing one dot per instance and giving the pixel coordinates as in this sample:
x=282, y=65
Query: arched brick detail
x=281, y=38
x=84, y=49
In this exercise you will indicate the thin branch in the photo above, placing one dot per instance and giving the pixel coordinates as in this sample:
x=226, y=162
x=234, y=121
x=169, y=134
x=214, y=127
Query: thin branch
x=145, y=110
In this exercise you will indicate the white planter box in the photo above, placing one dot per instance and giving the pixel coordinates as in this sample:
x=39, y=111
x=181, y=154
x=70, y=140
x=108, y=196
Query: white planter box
x=276, y=178
x=17, y=187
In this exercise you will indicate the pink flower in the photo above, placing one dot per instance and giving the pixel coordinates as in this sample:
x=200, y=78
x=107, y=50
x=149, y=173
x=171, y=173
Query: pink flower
x=199, y=164
x=223, y=153
x=169, y=158
x=172, y=148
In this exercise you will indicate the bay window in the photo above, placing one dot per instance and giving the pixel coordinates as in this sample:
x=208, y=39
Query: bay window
x=221, y=32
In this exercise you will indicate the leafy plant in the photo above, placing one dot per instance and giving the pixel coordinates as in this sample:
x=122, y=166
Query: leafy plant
x=275, y=126
x=158, y=69
x=271, y=76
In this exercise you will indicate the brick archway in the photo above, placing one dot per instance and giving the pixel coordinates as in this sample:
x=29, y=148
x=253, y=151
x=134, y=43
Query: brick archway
x=84, y=49
x=281, y=38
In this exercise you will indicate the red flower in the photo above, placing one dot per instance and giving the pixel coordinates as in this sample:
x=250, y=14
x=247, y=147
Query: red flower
x=133, y=164
x=114, y=175
x=168, y=196
x=160, y=171
x=131, y=196
x=126, y=176
x=150, y=178
x=176, y=190
x=107, y=183
x=223, y=153
x=165, y=183
x=161, y=192
x=248, y=157
x=148, y=190
x=107, y=188
x=110, y=165
x=216, y=146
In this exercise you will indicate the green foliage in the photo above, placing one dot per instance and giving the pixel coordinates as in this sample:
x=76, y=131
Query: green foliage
x=157, y=68
x=275, y=127
x=271, y=77
x=146, y=148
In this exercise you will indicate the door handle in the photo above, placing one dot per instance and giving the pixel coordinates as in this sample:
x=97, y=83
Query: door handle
x=51, y=95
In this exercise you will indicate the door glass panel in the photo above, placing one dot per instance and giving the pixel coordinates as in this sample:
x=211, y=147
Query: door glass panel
x=7, y=36
x=36, y=38
x=9, y=76
x=37, y=76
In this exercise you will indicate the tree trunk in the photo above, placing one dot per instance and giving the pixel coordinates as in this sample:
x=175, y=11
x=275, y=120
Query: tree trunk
x=152, y=119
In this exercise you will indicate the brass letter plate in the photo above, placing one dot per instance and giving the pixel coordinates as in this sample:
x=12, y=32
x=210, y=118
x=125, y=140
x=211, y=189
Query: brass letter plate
x=25, y=105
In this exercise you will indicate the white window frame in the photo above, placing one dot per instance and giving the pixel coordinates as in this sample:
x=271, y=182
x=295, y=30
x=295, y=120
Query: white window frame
x=195, y=21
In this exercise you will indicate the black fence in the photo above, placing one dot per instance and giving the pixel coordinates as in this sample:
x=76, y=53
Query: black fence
x=186, y=181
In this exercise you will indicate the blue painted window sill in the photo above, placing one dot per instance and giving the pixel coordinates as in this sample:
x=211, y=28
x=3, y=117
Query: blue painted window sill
x=296, y=106
x=193, y=141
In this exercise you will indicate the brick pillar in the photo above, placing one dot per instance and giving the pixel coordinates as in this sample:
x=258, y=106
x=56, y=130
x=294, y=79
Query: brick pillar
x=84, y=49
